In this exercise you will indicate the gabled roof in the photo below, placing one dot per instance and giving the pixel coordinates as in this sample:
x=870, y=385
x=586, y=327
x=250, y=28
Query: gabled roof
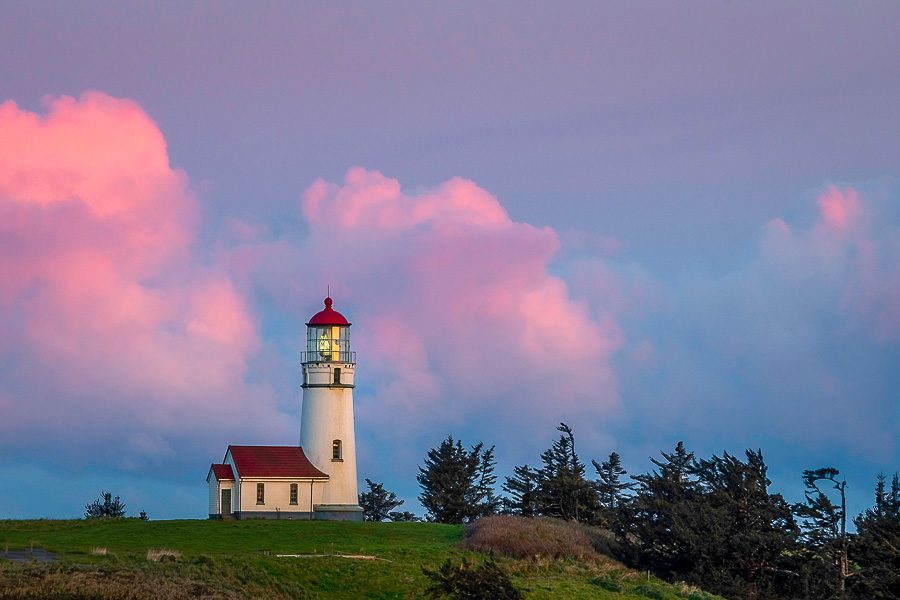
x=273, y=461
x=222, y=472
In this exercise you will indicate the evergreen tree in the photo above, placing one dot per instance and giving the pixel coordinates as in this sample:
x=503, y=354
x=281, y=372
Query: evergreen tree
x=522, y=492
x=677, y=465
x=881, y=506
x=825, y=533
x=457, y=484
x=712, y=522
x=403, y=517
x=105, y=506
x=483, y=498
x=876, y=549
x=752, y=533
x=661, y=528
x=610, y=486
x=377, y=503
x=563, y=491
x=893, y=501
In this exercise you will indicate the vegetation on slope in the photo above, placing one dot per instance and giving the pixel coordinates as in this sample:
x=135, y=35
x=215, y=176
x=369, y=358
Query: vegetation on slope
x=237, y=559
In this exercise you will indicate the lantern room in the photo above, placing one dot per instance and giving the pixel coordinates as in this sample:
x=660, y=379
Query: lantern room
x=328, y=337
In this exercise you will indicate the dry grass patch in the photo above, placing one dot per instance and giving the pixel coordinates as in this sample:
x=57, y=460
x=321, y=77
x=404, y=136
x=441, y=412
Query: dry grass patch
x=72, y=582
x=163, y=555
x=535, y=538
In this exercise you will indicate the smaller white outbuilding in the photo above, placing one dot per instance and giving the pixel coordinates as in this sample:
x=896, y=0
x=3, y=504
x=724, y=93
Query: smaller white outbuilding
x=265, y=482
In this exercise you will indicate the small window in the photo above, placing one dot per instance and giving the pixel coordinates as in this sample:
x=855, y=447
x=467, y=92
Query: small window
x=293, y=493
x=260, y=493
x=336, y=450
x=337, y=376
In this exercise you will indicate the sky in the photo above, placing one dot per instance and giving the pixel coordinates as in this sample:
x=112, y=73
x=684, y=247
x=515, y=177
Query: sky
x=653, y=221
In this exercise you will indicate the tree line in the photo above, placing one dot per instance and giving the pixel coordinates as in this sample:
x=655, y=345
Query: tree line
x=712, y=522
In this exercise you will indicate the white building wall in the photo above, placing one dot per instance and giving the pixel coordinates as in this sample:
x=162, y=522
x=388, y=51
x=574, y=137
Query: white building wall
x=278, y=495
x=213, y=494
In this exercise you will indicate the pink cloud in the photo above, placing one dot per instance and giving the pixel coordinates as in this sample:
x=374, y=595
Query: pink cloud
x=118, y=330
x=459, y=324
x=797, y=336
x=458, y=318
x=838, y=208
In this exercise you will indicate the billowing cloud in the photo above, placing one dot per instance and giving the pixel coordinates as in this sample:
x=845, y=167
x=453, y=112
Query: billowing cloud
x=798, y=346
x=460, y=325
x=115, y=334
x=120, y=331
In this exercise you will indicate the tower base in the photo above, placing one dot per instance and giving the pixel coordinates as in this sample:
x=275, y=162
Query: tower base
x=338, y=512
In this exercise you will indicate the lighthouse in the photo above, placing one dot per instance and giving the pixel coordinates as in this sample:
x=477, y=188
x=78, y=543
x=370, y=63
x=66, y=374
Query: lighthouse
x=327, y=434
x=316, y=479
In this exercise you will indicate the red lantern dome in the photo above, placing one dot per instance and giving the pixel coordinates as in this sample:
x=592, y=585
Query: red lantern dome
x=329, y=316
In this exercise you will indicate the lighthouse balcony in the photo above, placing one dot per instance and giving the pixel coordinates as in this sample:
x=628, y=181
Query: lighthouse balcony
x=336, y=356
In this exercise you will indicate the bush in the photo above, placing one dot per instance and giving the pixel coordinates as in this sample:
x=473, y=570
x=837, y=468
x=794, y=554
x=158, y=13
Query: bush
x=526, y=537
x=105, y=506
x=486, y=581
x=610, y=584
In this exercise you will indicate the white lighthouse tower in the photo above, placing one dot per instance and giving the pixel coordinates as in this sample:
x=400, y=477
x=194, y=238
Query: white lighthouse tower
x=326, y=426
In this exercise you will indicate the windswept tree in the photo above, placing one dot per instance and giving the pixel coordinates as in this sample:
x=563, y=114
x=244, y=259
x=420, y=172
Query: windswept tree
x=712, y=522
x=876, y=548
x=105, y=506
x=563, y=491
x=377, y=503
x=483, y=496
x=750, y=532
x=825, y=527
x=610, y=486
x=457, y=484
x=660, y=528
x=522, y=492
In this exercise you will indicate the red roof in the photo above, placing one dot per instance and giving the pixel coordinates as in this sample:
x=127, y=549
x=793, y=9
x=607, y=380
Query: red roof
x=223, y=472
x=329, y=316
x=272, y=461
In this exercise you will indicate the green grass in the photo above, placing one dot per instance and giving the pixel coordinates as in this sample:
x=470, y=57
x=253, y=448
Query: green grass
x=233, y=559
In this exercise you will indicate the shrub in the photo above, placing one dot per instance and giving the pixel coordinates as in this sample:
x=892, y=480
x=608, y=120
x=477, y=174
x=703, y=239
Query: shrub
x=471, y=582
x=610, y=584
x=525, y=537
x=403, y=517
x=648, y=591
x=378, y=503
x=105, y=506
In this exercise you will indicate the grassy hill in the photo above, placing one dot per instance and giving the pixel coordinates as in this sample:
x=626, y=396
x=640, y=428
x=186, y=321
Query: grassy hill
x=237, y=559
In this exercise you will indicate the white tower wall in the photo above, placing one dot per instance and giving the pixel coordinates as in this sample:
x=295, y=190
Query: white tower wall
x=327, y=415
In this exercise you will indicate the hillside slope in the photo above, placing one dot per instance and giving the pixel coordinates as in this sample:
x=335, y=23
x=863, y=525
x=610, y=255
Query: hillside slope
x=238, y=559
